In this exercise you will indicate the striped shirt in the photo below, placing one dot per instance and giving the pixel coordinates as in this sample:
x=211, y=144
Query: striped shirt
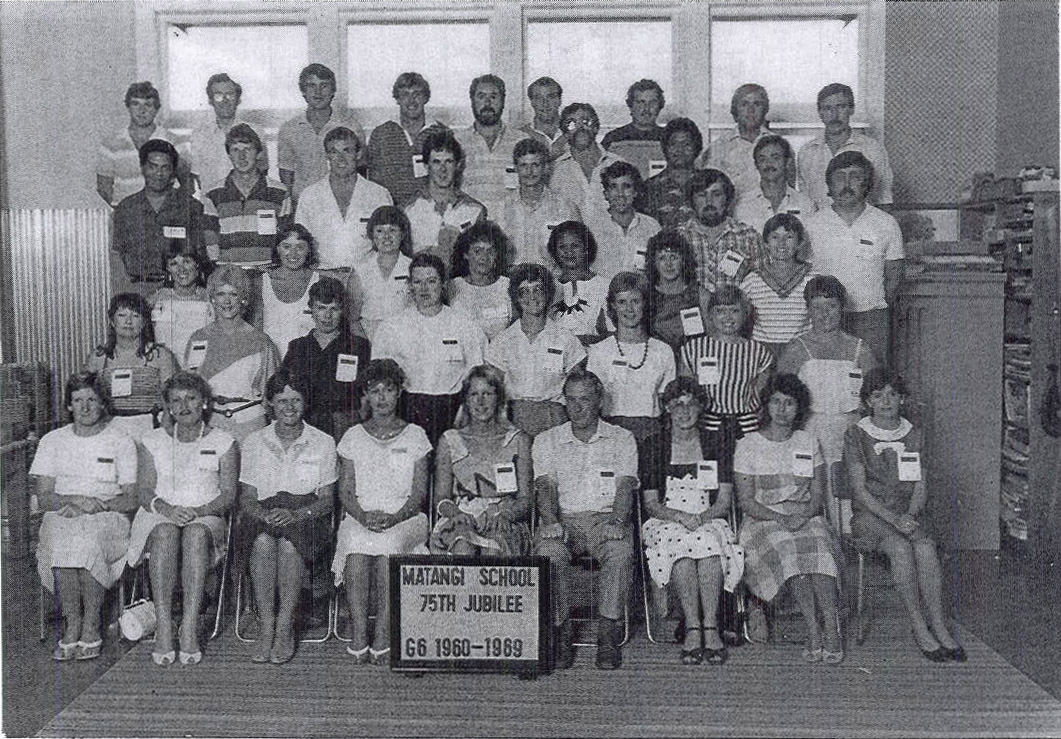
x=778, y=318
x=246, y=226
x=390, y=156
x=119, y=158
x=738, y=364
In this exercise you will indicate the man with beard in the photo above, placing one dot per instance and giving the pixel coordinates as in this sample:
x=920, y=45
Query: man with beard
x=725, y=249
x=577, y=174
x=773, y=157
x=207, y=140
x=733, y=153
x=488, y=144
x=545, y=95
x=862, y=247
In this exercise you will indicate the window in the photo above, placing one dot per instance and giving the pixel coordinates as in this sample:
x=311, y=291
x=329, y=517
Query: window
x=264, y=59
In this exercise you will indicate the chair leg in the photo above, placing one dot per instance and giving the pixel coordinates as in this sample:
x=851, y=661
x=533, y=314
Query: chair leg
x=860, y=633
x=239, y=612
x=42, y=613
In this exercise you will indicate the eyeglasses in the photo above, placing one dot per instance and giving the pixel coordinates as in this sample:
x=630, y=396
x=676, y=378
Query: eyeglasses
x=573, y=123
x=531, y=291
x=220, y=97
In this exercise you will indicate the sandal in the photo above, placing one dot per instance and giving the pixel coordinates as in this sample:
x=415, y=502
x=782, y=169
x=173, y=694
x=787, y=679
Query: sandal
x=832, y=658
x=361, y=656
x=65, y=652
x=694, y=656
x=380, y=658
x=164, y=659
x=714, y=656
x=812, y=655
x=89, y=650
x=191, y=658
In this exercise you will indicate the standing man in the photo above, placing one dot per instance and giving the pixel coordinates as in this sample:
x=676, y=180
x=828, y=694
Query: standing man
x=836, y=105
x=336, y=209
x=300, y=144
x=394, y=157
x=622, y=233
x=640, y=142
x=773, y=157
x=488, y=144
x=576, y=175
x=586, y=486
x=862, y=247
x=146, y=222
x=207, y=140
x=545, y=96
x=725, y=249
x=664, y=197
x=732, y=154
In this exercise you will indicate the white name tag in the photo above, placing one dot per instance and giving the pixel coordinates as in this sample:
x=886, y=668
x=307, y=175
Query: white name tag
x=495, y=312
x=307, y=471
x=617, y=370
x=854, y=379
x=452, y=351
x=656, y=166
x=105, y=469
x=505, y=477
x=209, y=460
x=511, y=180
x=174, y=232
x=707, y=372
x=398, y=457
x=730, y=264
x=606, y=484
x=707, y=474
x=638, y=262
x=346, y=368
x=692, y=322
x=802, y=464
x=910, y=467
x=197, y=354
x=419, y=168
x=553, y=361
x=266, y=222
x=121, y=383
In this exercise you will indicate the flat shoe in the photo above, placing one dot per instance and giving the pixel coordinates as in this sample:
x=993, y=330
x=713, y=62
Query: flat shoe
x=955, y=655
x=939, y=654
x=380, y=658
x=812, y=655
x=832, y=658
x=716, y=656
x=191, y=658
x=262, y=655
x=283, y=651
x=89, y=650
x=164, y=659
x=361, y=656
x=65, y=652
x=692, y=656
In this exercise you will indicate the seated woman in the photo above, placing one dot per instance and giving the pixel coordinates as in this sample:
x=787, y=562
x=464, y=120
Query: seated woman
x=779, y=477
x=583, y=292
x=633, y=366
x=379, y=283
x=181, y=306
x=285, y=314
x=775, y=288
x=187, y=479
x=131, y=365
x=85, y=475
x=687, y=539
x=478, y=285
x=483, y=476
x=287, y=493
x=671, y=271
x=383, y=487
x=882, y=454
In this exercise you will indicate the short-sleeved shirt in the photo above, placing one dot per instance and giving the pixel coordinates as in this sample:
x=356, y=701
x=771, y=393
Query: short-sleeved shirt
x=342, y=240
x=664, y=198
x=318, y=368
x=755, y=209
x=207, y=143
x=856, y=254
x=489, y=305
x=639, y=147
x=390, y=157
x=878, y=450
x=619, y=248
x=141, y=235
x=577, y=466
x=771, y=464
x=814, y=156
x=426, y=221
x=435, y=352
x=309, y=463
x=489, y=171
x=119, y=158
x=780, y=316
x=187, y=473
x=247, y=224
x=381, y=296
x=383, y=468
x=557, y=143
x=94, y=466
x=587, y=193
x=176, y=318
x=632, y=387
x=528, y=228
x=732, y=154
x=579, y=304
x=535, y=370
x=300, y=149
x=738, y=237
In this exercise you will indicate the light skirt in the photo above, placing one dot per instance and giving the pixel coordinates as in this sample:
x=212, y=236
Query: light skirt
x=406, y=537
x=95, y=542
x=146, y=521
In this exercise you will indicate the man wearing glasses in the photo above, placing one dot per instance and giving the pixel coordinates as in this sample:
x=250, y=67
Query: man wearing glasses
x=207, y=140
x=577, y=174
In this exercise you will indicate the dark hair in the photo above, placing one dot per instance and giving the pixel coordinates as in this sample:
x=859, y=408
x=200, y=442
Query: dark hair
x=772, y=140
x=185, y=248
x=427, y=259
x=682, y=125
x=702, y=179
x=489, y=232
x=158, y=146
x=184, y=380
x=315, y=70
x=824, y=286
x=216, y=79
x=382, y=370
x=282, y=378
x=789, y=385
x=581, y=374
x=669, y=240
x=527, y=146
x=137, y=303
x=241, y=133
x=624, y=282
x=144, y=91
x=581, y=231
x=615, y=170
x=296, y=229
x=685, y=385
x=849, y=158
x=443, y=140
x=835, y=88
x=733, y=295
x=341, y=133
x=87, y=381
x=410, y=79
x=483, y=79
x=391, y=215
x=643, y=86
x=788, y=222
x=543, y=81
x=744, y=90
x=530, y=272
x=570, y=110
x=879, y=378
x=327, y=290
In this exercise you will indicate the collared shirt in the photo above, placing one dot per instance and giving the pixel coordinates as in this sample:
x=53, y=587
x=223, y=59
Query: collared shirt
x=634, y=375
x=587, y=193
x=246, y=225
x=207, y=143
x=341, y=240
x=300, y=149
x=663, y=198
x=381, y=296
x=318, y=367
x=119, y=158
x=733, y=155
x=535, y=370
x=426, y=221
x=621, y=248
x=856, y=254
x=755, y=209
x=557, y=143
x=435, y=352
x=489, y=171
x=735, y=236
x=587, y=473
x=390, y=155
x=814, y=157
x=309, y=463
x=141, y=235
x=643, y=149
x=528, y=227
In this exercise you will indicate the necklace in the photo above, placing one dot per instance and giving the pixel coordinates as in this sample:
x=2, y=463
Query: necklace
x=384, y=433
x=644, y=353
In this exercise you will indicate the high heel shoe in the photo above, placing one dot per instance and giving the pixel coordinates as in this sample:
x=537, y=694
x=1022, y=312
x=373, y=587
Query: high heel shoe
x=715, y=656
x=694, y=656
x=939, y=654
x=955, y=655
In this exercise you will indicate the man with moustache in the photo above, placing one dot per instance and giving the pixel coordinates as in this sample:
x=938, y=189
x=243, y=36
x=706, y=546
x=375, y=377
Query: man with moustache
x=725, y=249
x=862, y=247
x=488, y=144
x=577, y=174
x=586, y=486
x=773, y=156
x=732, y=154
x=640, y=141
x=545, y=96
x=207, y=140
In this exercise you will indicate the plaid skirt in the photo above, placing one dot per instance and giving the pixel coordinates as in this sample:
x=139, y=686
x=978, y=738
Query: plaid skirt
x=773, y=554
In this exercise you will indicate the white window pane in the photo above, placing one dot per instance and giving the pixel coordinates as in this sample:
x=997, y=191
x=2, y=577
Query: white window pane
x=792, y=58
x=597, y=61
x=265, y=60
x=448, y=55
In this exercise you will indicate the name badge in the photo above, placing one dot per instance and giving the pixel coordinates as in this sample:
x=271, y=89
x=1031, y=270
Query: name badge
x=266, y=222
x=554, y=360
x=208, y=460
x=854, y=379
x=656, y=166
x=174, y=232
x=465, y=226
x=197, y=354
x=617, y=370
x=802, y=464
x=793, y=211
x=707, y=371
x=122, y=383
x=495, y=311
x=398, y=457
x=401, y=278
x=639, y=259
x=307, y=470
x=606, y=484
x=346, y=368
x=730, y=264
x=692, y=322
x=511, y=180
x=105, y=470
x=707, y=474
x=505, y=477
x=451, y=351
x=865, y=242
x=910, y=467
x=419, y=168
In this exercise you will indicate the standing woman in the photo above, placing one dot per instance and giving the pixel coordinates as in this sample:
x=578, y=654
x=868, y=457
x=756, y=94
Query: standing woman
x=285, y=313
x=633, y=366
x=131, y=365
x=582, y=291
x=379, y=282
x=671, y=270
x=187, y=478
x=181, y=306
x=478, y=287
x=382, y=486
x=85, y=475
x=233, y=356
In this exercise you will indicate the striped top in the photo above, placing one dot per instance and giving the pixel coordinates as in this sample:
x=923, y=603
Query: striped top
x=119, y=158
x=390, y=154
x=246, y=225
x=738, y=364
x=780, y=314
